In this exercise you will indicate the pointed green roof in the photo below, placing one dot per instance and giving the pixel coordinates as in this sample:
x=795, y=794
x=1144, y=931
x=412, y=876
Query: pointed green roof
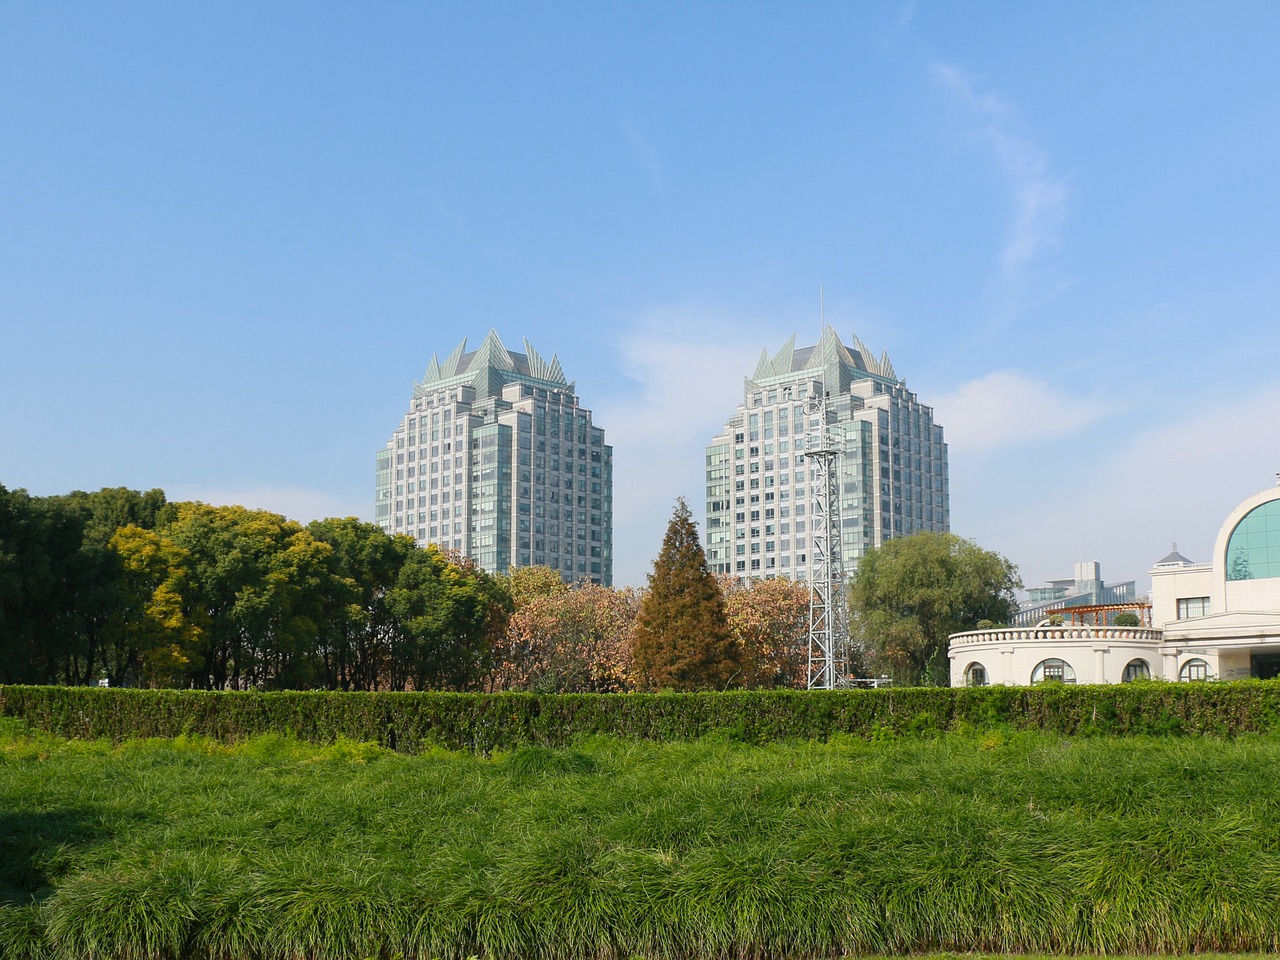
x=490, y=367
x=829, y=359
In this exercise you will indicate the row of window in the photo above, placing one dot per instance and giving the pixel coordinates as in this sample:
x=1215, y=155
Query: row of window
x=1055, y=670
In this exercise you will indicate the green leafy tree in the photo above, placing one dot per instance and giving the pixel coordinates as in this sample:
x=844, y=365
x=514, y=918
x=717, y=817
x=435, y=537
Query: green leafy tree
x=355, y=635
x=60, y=582
x=260, y=582
x=682, y=637
x=449, y=616
x=1127, y=618
x=36, y=644
x=912, y=592
x=94, y=597
x=45, y=579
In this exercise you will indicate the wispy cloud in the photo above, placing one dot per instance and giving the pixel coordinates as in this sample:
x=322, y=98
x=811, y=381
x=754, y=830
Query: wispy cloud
x=1122, y=497
x=1039, y=197
x=1010, y=409
x=687, y=364
x=647, y=154
x=906, y=14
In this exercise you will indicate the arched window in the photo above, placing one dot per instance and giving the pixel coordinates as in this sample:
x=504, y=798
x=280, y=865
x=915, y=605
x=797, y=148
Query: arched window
x=1053, y=670
x=1136, y=670
x=1253, y=549
x=1195, y=669
x=975, y=675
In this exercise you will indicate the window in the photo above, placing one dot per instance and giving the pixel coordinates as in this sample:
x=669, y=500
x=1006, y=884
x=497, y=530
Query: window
x=1195, y=669
x=1053, y=670
x=1136, y=670
x=975, y=675
x=1253, y=549
x=1193, y=607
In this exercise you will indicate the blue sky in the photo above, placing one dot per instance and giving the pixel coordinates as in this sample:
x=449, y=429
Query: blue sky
x=233, y=235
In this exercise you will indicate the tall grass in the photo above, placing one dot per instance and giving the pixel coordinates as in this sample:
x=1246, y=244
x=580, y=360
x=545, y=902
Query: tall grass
x=998, y=842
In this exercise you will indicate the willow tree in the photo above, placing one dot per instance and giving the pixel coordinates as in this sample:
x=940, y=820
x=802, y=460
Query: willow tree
x=682, y=639
x=911, y=593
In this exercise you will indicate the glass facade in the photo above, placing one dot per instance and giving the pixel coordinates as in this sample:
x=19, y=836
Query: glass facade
x=892, y=478
x=497, y=461
x=1253, y=550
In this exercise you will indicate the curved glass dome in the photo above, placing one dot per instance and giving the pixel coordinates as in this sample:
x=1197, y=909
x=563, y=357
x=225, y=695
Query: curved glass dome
x=1253, y=549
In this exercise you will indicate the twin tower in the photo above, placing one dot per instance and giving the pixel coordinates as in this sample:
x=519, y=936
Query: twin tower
x=496, y=460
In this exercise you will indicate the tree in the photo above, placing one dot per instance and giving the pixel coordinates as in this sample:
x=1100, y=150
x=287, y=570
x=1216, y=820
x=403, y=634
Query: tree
x=449, y=615
x=1127, y=618
x=60, y=582
x=260, y=583
x=156, y=638
x=568, y=641
x=912, y=592
x=682, y=638
x=526, y=584
x=770, y=621
x=354, y=643
x=96, y=597
x=36, y=544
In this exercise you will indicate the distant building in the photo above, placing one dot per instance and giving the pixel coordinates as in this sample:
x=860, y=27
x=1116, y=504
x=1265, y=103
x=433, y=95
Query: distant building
x=892, y=476
x=496, y=460
x=1086, y=588
x=1209, y=621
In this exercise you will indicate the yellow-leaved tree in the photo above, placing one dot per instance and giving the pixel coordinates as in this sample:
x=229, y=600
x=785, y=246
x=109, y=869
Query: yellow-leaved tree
x=159, y=637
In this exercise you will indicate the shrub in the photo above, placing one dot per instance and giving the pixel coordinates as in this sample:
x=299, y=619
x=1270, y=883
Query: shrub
x=412, y=722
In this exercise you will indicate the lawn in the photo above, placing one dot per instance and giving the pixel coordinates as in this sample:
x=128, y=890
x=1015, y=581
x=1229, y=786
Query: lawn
x=991, y=841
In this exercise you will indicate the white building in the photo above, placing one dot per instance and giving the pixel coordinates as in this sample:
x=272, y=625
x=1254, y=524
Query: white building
x=496, y=460
x=1215, y=620
x=892, y=474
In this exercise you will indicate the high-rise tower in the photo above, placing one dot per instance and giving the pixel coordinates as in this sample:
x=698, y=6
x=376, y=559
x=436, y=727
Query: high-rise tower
x=496, y=460
x=891, y=473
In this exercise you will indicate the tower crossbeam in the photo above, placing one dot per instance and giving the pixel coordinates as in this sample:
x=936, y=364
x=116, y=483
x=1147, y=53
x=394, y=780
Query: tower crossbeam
x=828, y=612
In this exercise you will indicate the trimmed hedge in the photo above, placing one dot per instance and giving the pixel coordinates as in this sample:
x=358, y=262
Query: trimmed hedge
x=410, y=722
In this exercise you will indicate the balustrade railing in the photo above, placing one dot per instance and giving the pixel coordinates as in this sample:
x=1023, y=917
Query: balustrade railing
x=1056, y=634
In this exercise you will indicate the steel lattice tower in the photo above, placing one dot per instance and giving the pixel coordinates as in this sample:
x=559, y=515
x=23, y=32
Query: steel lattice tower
x=828, y=605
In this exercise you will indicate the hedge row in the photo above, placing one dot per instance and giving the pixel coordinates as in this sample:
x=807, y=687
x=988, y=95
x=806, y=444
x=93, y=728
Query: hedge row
x=409, y=722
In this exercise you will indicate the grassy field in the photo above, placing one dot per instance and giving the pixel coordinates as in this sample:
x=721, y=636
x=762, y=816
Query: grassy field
x=987, y=842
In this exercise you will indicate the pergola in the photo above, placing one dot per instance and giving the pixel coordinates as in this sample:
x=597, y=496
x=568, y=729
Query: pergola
x=1099, y=613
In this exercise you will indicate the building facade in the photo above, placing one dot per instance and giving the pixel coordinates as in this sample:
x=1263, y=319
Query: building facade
x=496, y=460
x=1209, y=621
x=892, y=472
x=1086, y=588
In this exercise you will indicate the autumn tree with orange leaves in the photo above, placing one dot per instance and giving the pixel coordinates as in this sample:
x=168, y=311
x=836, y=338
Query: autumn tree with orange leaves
x=566, y=640
x=769, y=620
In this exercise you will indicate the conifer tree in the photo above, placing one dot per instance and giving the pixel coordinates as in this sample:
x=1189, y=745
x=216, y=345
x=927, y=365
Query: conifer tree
x=682, y=639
